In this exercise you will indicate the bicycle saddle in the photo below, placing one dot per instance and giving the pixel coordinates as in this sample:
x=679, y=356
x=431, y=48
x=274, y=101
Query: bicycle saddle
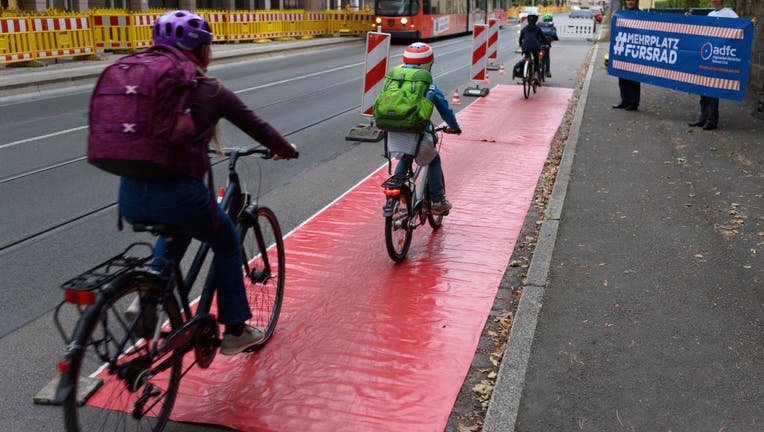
x=157, y=229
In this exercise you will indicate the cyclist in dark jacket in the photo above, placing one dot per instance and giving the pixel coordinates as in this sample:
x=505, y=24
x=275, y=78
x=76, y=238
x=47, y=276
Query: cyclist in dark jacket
x=532, y=39
x=185, y=201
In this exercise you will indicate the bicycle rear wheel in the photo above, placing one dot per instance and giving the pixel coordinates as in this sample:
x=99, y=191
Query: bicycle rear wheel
x=397, y=231
x=265, y=267
x=527, y=80
x=136, y=396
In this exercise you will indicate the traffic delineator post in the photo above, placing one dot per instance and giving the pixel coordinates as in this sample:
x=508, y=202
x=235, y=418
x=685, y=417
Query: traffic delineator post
x=455, y=100
x=501, y=69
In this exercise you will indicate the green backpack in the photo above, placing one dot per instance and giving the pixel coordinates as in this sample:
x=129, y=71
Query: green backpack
x=401, y=105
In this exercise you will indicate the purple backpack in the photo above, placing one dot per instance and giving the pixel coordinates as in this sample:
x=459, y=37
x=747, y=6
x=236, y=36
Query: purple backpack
x=140, y=114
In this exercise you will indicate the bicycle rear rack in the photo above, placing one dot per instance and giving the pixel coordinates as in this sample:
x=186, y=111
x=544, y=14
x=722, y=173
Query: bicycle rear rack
x=80, y=290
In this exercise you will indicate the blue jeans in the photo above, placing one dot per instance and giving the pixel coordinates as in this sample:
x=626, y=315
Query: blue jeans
x=435, y=185
x=185, y=203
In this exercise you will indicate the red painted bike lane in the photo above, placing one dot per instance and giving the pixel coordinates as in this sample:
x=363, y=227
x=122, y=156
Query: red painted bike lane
x=364, y=344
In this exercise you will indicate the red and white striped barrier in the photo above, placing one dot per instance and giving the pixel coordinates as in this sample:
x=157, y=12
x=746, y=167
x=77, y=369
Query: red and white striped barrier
x=16, y=31
x=479, y=46
x=78, y=25
x=377, y=51
x=493, y=44
x=58, y=24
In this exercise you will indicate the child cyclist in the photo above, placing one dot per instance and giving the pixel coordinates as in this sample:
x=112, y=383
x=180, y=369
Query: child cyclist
x=420, y=55
x=550, y=33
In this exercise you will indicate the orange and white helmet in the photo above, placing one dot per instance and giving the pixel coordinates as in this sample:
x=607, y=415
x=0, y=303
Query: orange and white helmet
x=420, y=54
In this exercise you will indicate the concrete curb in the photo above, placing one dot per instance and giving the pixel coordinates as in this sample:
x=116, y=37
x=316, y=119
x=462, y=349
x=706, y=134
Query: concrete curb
x=505, y=400
x=59, y=79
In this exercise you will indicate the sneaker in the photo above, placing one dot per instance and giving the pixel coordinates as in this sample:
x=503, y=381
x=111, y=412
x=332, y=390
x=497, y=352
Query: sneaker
x=548, y=74
x=232, y=345
x=440, y=208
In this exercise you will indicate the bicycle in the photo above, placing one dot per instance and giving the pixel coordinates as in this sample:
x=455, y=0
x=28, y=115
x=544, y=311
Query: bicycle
x=407, y=206
x=142, y=351
x=529, y=78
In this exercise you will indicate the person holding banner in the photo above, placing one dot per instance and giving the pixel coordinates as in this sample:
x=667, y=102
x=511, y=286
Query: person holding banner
x=630, y=90
x=709, y=106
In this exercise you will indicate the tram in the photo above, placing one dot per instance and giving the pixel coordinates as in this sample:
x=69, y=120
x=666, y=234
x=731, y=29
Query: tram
x=427, y=19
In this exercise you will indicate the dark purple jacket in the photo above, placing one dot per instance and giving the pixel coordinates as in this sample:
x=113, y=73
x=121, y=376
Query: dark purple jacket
x=212, y=101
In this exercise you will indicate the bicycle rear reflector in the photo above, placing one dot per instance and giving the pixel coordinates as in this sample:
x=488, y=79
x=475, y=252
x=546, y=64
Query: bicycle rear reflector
x=82, y=298
x=392, y=192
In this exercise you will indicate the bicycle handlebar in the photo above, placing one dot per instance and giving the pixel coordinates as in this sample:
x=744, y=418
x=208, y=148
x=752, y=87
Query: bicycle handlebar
x=264, y=153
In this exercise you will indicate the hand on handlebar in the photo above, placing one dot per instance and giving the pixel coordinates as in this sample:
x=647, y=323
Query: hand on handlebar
x=276, y=156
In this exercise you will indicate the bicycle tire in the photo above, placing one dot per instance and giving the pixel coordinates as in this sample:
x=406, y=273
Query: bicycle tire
x=436, y=221
x=527, y=80
x=262, y=238
x=397, y=232
x=542, y=72
x=104, y=327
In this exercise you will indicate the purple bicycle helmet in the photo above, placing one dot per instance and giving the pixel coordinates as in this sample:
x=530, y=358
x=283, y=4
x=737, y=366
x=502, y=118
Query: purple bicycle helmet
x=182, y=29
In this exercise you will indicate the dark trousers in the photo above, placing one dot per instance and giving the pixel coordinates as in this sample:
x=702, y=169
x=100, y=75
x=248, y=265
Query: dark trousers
x=709, y=110
x=629, y=92
x=185, y=203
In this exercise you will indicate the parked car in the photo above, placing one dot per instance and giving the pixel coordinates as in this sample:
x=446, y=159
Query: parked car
x=528, y=10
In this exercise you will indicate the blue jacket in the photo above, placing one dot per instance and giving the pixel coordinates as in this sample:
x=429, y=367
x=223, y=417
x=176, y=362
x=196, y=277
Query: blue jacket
x=435, y=96
x=531, y=38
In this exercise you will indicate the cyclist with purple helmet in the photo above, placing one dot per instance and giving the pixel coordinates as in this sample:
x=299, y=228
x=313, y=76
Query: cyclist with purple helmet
x=186, y=202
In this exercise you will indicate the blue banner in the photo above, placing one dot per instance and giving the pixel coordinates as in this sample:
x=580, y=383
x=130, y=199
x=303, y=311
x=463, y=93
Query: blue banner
x=704, y=55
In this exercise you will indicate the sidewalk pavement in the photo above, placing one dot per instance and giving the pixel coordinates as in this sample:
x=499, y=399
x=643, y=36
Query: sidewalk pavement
x=64, y=75
x=643, y=308
x=648, y=266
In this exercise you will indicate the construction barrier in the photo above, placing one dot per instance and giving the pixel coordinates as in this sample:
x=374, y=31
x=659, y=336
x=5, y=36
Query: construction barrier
x=16, y=42
x=338, y=22
x=360, y=22
x=62, y=37
x=70, y=34
x=111, y=30
x=377, y=53
x=493, y=44
x=218, y=22
x=316, y=24
x=479, y=42
x=242, y=26
x=142, y=29
x=575, y=28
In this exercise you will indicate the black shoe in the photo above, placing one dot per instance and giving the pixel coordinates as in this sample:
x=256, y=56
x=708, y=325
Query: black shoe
x=709, y=126
x=620, y=106
x=630, y=108
x=696, y=124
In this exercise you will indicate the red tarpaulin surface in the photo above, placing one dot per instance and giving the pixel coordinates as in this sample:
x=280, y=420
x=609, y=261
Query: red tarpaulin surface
x=364, y=344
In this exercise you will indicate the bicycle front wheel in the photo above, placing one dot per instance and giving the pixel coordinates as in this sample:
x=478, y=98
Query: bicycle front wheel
x=527, y=80
x=115, y=337
x=265, y=268
x=397, y=232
